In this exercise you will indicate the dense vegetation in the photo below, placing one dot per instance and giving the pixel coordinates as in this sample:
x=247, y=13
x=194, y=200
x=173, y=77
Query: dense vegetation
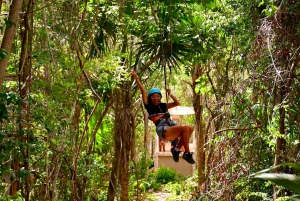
x=72, y=125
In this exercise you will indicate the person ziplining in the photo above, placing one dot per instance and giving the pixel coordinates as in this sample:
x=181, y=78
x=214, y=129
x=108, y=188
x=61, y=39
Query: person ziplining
x=159, y=115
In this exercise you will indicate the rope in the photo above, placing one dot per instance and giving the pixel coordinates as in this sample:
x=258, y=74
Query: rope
x=163, y=59
x=171, y=55
x=163, y=62
x=165, y=76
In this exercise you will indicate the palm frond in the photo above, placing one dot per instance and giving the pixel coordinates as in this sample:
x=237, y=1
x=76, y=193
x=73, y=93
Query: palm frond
x=105, y=36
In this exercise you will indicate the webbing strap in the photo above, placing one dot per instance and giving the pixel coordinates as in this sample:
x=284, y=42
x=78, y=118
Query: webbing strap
x=165, y=75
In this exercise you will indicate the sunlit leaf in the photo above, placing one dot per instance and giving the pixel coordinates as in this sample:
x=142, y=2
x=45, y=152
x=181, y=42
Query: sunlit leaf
x=288, y=181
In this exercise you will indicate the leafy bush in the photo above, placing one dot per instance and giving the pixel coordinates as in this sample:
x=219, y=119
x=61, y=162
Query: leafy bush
x=165, y=175
x=153, y=182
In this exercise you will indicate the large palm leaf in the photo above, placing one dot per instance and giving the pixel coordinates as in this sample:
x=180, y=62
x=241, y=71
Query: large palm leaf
x=169, y=40
x=106, y=33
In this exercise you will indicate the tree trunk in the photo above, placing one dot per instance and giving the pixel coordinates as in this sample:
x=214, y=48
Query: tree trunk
x=127, y=146
x=24, y=87
x=123, y=138
x=280, y=142
x=8, y=36
x=46, y=45
x=112, y=187
x=124, y=135
x=116, y=165
x=124, y=143
x=24, y=83
x=280, y=151
x=146, y=140
x=200, y=134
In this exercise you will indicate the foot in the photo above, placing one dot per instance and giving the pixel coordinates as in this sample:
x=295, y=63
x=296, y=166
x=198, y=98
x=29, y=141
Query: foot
x=188, y=157
x=175, y=154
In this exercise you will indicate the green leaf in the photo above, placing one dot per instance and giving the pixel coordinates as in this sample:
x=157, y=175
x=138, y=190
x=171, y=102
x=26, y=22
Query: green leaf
x=3, y=112
x=295, y=197
x=288, y=181
x=9, y=22
x=293, y=165
x=261, y=3
x=23, y=173
x=3, y=53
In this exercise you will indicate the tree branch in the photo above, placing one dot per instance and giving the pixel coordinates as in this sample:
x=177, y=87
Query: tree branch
x=238, y=129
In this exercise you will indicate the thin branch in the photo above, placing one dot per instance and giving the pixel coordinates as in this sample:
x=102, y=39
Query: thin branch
x=8, y=161
x=247, y=106
x=153, y=12
x=212, y=85
x=238, y=129
x=74, y=176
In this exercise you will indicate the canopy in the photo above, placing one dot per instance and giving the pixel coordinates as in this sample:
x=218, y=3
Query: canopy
x=181, y=110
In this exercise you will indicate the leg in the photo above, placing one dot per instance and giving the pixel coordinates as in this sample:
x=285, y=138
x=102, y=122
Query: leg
x=174, y=142
x=185, y=133
x=180, y=131
x=162, y=145
x=185, y=141
x=180, y=145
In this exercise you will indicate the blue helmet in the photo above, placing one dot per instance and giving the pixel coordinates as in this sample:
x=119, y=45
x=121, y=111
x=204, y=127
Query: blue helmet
x=154, y=91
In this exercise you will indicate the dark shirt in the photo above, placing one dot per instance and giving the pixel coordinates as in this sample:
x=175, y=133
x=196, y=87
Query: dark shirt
x=154, y=110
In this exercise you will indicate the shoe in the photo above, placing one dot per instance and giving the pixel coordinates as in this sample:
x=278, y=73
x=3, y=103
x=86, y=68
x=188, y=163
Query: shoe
x=188, y=157
x=175, y=154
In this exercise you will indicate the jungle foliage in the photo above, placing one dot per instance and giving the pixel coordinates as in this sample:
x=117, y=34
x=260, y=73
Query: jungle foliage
x=72, y=125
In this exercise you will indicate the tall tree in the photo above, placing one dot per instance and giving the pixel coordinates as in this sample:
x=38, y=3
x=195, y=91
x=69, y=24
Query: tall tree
x=25, y=67
x=8, y=37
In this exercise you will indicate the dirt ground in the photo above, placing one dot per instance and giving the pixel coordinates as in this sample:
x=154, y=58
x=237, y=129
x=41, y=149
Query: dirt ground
x=161, y=196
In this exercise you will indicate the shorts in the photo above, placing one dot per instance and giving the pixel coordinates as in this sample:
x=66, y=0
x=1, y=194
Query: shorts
x=161, y=128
